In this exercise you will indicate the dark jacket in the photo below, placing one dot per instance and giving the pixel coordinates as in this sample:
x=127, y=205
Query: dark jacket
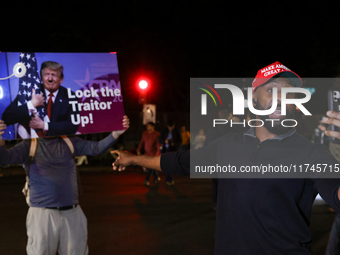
x=61, y=115
x=256, y=215
x=174, y=143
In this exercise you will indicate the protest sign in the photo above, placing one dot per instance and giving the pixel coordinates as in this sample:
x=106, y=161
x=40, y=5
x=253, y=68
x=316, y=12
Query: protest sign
x=85, y=94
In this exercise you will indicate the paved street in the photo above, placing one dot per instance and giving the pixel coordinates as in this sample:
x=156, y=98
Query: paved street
x=125, y=217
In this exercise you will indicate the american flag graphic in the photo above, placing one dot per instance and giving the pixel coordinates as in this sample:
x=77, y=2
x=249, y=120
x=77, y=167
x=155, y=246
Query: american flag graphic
x=30, y=81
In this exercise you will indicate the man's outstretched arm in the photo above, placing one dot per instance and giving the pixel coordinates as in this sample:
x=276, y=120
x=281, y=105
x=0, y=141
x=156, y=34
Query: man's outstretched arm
x=15, y=155
x=125, y=159
x=169, y=163
x=92, y=148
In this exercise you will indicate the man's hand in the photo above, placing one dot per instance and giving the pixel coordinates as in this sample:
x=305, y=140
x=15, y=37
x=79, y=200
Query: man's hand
x=2, y=128
x=36, y=122
x=333, y=119
x=123, y=160
x=126, y=125
x=37, y=100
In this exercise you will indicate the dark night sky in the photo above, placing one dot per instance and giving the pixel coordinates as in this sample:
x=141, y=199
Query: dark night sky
x=172, y=42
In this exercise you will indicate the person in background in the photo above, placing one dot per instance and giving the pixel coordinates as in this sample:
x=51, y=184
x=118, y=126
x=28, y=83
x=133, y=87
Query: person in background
x=170, y=140
x=185, y=139
x=150, y=145
x=199, y=139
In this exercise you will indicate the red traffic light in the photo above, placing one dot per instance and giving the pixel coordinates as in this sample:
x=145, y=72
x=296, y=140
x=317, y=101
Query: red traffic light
x=143, y=84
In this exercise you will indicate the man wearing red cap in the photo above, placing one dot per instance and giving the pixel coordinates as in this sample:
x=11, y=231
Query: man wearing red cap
x=277, y=76
x=260, y=216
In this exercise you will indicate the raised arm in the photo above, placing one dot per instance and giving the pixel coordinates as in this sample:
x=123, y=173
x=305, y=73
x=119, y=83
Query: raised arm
x=15, y=155
x=333, y=119
x=92, y=148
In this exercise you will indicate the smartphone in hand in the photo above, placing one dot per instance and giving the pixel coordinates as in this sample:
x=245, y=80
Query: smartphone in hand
x=334, y=105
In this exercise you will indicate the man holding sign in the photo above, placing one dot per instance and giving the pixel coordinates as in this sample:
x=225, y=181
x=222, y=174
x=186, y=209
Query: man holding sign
x=58, y=108
x=55, y=221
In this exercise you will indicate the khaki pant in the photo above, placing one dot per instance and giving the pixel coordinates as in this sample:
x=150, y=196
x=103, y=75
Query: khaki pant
x=51, y=230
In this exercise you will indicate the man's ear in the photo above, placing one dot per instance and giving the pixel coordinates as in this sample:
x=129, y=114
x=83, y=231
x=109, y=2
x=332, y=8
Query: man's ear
x=254, y=98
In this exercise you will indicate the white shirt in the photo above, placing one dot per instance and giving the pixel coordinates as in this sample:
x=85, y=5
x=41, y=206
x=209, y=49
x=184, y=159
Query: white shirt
x=32, y=109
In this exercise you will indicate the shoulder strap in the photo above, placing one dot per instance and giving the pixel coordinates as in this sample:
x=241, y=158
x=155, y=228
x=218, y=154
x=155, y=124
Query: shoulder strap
x=31, y=155
x=69, y=143
x=33, y=149
x=34, y=146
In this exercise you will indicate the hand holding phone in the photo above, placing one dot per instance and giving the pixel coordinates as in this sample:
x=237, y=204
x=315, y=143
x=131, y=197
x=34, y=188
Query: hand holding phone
x=334, y=106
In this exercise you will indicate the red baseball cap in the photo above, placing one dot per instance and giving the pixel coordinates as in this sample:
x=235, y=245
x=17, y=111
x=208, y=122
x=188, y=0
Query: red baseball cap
x=268, y=72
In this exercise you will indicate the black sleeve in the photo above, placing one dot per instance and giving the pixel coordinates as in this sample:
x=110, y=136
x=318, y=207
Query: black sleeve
x=62, y=123
x=179, y=162
x=328, y=190
x=327, y=187
x=63, y=127
x=16, y=114
x=176, y=162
